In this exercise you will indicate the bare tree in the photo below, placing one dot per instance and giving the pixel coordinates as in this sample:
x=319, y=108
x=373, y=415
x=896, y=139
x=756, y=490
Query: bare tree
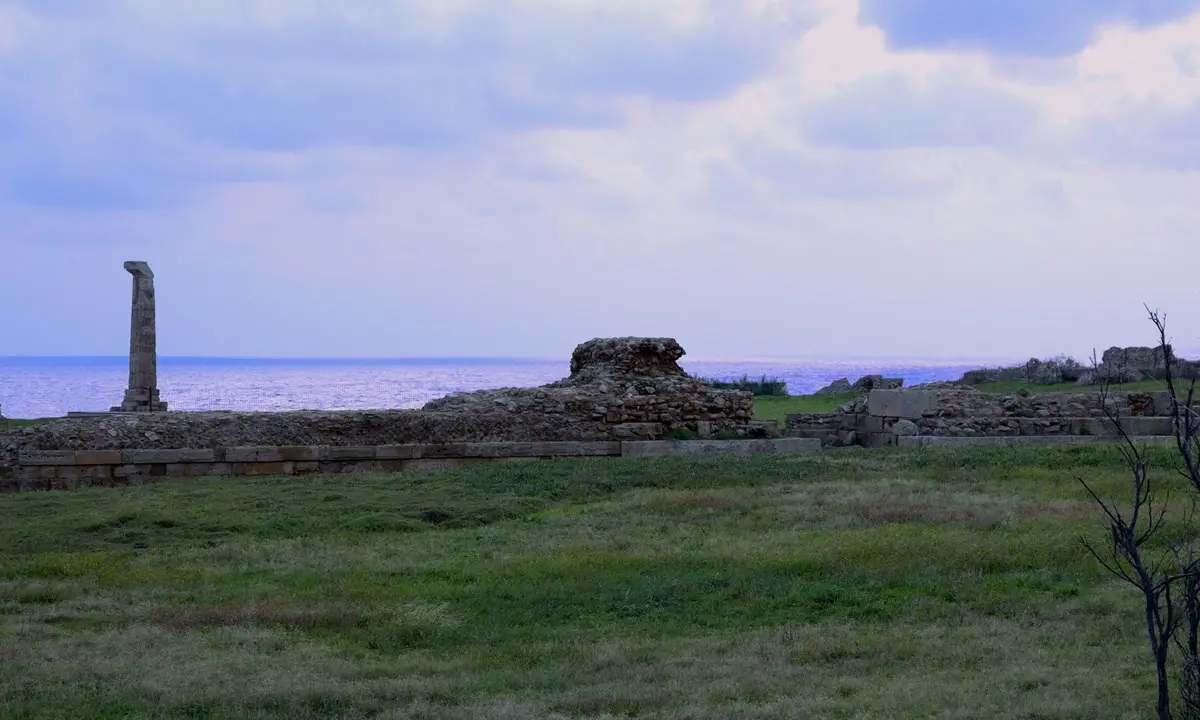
x=1168, y=579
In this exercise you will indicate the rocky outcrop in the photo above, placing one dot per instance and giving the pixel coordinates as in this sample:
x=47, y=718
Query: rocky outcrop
x=617, y=381
x=619, y=389
x=862, y=386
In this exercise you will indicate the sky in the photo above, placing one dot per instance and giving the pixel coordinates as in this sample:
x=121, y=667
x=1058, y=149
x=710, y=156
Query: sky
x=803, y=178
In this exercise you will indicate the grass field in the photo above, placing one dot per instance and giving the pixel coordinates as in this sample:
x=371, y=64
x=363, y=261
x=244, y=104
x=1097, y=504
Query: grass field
x=945, y=583
x=778, y=407
x=8, y=423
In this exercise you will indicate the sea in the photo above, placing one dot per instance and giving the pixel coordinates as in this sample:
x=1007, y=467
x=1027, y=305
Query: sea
x=38, y=387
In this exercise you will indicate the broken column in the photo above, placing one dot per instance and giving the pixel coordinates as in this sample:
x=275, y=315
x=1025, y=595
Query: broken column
x=142, y=393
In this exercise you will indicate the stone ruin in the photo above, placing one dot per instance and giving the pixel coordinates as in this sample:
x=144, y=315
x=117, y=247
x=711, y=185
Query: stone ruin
x=955, y=410
x=142, y=393
x=619, y=389
x=1116, y=366
x=861, y=386
x=634, y=386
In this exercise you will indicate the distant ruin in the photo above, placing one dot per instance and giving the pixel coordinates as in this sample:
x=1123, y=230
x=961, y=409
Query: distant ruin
x=1117, y=365
x=946, y=413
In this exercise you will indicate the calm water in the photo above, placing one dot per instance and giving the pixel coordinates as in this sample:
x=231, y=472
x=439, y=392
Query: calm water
x=50, y=387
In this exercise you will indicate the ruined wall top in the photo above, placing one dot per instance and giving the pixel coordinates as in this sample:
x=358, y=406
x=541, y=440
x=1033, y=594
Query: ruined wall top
x=639, y=357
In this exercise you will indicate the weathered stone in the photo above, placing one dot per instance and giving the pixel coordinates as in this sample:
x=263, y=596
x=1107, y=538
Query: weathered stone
x=142, y=457
x=841, y=386
x=262, y=468
x=252, y=454
x=142, y=393
x=666, y=448
x=908, y=404
x=299, y=453
x=98, y=457
x=335, y=453
x=46, y=457
x=904, y=427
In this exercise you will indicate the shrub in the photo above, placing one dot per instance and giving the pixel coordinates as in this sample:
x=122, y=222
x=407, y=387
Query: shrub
x=764, y=386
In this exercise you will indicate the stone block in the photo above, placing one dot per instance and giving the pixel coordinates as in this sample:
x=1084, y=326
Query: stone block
x=299, y=453
x=878, y=439
x=147, y=457
x=1162, y=402
x=306, y=468
x=131, y=470
x=908, y=404
x=259, y=469
x=361, y=466
x=638, y=430
x=98, y=457
x=252, y=454
x=667, y=448
x=566, y=448
x=1148, y=425
x=46, y=457
x=336, y=453
x=197, y=455
x=869, y=424
x=398, y=452
x=704, y=428
x=811, y=433
x=461, y=450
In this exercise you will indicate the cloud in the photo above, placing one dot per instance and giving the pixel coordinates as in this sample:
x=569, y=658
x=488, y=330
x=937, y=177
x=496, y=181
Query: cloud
x=130, y=104
x=1023, y=27
x=894, y=111
x=1146, y=134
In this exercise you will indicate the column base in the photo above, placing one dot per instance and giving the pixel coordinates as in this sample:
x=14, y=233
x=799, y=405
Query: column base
x=141, y=400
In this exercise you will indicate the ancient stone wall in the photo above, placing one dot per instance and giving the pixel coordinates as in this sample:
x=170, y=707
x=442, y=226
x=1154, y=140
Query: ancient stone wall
x=73, y=469
x=619, y=389
x=953, y=410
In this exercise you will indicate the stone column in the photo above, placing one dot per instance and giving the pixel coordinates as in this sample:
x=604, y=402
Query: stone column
x=142, y=393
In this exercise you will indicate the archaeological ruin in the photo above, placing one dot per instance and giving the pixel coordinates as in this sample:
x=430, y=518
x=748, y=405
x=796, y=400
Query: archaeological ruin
x=624, y=397
x=142, y=393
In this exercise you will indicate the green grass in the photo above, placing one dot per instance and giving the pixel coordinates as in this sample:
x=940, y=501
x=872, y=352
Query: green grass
x=777, y=408
x=8, y=423
x=882, y=584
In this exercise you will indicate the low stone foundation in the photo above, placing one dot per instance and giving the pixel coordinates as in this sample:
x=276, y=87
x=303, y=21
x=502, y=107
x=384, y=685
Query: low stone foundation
x=72, y=469
x=951, y=410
